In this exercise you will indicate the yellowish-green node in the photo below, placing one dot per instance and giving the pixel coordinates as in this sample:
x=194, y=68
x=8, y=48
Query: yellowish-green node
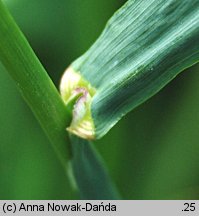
x=73, y=85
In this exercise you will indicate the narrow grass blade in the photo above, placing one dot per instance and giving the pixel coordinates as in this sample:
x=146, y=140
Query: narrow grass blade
x=143, y=47
x=90, y=173
x=34, y=84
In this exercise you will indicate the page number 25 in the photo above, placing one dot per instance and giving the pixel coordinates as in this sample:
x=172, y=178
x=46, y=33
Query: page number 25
x=189, y=207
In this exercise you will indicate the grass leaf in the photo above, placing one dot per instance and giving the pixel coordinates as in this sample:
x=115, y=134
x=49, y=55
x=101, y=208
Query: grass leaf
x=143, y=47
x=34, y=84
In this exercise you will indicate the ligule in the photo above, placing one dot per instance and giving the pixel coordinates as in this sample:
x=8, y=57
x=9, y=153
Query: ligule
x=78, y=93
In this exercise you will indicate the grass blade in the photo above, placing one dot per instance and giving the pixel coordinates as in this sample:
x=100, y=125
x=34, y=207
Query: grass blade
x=34, y=84
x=143, y=47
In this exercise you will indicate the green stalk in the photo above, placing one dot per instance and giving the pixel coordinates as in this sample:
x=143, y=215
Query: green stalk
x=89, y=170
x=34, y=84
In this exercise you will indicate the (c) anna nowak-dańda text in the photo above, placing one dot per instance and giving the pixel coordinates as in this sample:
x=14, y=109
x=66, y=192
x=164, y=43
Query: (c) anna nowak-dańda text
x=52, y=207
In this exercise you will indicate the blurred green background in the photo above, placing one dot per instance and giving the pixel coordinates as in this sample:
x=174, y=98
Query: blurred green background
x=152, y=153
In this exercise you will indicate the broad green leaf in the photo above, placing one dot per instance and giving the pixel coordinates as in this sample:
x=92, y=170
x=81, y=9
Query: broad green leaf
x=90, y=173
x=143, y=47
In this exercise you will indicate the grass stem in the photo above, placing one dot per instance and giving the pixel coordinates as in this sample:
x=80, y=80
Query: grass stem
x=34, y=84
